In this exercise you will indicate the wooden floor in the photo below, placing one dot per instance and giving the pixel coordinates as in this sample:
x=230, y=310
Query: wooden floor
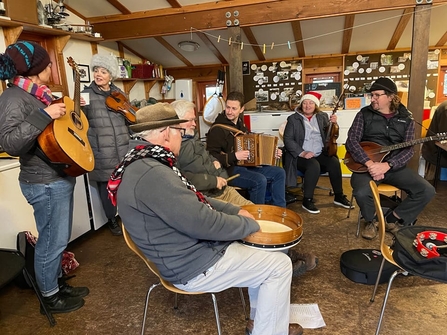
x=118, y=281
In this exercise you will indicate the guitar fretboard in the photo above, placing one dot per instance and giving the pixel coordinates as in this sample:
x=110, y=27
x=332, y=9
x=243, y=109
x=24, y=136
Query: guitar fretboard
x=439, y=137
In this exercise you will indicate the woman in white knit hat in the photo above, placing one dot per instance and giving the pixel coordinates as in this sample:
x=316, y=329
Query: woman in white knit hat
x=304, y=138
x=108, y=133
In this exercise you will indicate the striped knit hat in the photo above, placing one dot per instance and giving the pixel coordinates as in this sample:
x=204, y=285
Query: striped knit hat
x=28, y=59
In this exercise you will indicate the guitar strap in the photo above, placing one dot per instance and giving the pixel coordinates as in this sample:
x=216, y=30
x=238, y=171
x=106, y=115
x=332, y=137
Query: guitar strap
x=56, y=166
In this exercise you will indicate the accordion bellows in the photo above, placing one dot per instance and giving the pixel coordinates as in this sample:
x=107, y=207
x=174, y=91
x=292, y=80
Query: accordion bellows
x=262, y=149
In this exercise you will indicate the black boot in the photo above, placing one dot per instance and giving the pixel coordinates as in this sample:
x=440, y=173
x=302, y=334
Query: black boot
x=114, y=227
x=70, y=291
x=57, y=303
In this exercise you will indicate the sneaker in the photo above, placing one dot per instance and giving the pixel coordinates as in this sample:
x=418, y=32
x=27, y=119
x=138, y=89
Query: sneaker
x=342, y=200
x=114, y=227
x=310, y=260
x=58, y=303
x=392, y=227
x=370, y=230
x=309, y=205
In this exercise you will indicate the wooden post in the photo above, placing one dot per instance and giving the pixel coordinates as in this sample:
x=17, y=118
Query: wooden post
x=235, y=66
x=418, y=72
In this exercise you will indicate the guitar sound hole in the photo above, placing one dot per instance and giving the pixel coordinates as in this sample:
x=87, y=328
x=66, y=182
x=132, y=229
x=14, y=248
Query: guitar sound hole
x=76, y=120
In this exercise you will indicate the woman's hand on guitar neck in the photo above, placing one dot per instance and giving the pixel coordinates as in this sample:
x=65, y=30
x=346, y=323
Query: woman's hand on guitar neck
x=55, y=111
x=377, y=170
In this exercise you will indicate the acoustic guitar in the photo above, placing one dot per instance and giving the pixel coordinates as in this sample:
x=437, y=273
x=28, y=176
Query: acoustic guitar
x=119, y=103
x=64, y=141
x=377, y=152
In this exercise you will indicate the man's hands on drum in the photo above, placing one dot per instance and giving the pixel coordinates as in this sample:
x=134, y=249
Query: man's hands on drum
x=245, y=213
x=377, y=170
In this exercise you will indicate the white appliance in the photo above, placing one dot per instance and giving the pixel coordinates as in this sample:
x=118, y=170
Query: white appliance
x=183, y=89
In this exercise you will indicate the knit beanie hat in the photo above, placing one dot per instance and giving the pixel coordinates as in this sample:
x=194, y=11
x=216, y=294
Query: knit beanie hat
x=385, y=84
x=313, y=96
x=107, y=62
x=24, y=59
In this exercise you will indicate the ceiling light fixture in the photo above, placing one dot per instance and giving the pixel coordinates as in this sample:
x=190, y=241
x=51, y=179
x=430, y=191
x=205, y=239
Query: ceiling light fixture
x=189, y=46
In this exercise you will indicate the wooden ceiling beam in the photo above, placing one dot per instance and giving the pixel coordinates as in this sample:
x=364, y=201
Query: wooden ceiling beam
x=298, y=36
x=210, y=17
x=443, y=40
x=75, y=12
x=131, y=50
x=254, y=43
x=212, y=47
x=174, y=3
x=170, y=48
x=347, y=33
x=403, y=22
x=118, y=5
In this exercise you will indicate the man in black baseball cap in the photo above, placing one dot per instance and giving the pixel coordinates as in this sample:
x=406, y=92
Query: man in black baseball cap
x=386, y=121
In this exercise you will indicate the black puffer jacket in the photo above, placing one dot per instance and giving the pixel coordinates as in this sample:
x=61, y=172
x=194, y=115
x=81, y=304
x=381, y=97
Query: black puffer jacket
x=108, y=133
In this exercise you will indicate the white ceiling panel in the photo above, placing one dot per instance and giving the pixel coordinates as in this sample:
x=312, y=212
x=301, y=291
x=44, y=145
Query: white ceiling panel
x=279, y=34
x=91, y=8
x=323, y=35
x=142, y=5
x=374, y=29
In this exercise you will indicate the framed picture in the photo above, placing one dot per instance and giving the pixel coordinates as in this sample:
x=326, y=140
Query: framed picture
x=84, y=73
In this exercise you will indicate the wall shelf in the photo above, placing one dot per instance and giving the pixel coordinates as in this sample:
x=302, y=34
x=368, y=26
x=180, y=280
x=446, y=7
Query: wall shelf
x=129, y=83
x=13, y=25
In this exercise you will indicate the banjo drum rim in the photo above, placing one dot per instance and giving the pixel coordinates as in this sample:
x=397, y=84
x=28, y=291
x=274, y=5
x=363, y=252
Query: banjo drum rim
x=274, y=239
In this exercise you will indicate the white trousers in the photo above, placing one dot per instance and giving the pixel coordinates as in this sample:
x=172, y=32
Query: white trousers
x=267, y=275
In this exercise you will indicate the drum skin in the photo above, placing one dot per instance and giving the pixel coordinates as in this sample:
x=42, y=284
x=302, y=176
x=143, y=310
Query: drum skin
x=280, y=215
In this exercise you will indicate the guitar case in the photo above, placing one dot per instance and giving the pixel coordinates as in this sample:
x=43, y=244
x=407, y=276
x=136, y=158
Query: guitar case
x=362, y=266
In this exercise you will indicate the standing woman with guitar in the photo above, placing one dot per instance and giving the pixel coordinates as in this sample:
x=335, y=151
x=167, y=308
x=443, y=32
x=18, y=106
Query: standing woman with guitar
x=386, y=121
x=304, y=141
x=108, y=133
x=26, y=108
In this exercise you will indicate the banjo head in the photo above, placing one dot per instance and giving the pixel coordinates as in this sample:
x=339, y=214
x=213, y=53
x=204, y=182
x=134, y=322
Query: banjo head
x=281, y=228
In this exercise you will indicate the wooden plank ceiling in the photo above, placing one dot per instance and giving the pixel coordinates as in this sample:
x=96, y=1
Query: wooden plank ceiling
x=271, y=29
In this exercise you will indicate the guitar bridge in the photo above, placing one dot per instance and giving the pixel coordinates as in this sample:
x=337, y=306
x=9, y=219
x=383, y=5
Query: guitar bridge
x=71, y=131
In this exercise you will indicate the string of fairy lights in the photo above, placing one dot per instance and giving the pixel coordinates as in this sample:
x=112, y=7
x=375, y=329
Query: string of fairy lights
x=266, y=46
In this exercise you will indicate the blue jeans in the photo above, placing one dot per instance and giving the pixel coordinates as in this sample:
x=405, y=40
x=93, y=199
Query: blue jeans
x=255, y=180
x=53, y=212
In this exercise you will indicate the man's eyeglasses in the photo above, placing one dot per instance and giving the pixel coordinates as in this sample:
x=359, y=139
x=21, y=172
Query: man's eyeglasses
x=376, y=95
x=182, y=130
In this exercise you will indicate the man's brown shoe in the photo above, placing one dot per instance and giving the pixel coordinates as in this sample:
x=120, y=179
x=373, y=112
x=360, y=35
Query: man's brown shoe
x=294, y=328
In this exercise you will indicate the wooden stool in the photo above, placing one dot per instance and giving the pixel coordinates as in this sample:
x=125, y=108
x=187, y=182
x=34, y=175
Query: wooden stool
x=383, y=188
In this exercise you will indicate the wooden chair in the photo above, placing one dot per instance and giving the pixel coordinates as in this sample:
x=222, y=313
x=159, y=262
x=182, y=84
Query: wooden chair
x=167, y=285
x=383, y=188
x=386, y=251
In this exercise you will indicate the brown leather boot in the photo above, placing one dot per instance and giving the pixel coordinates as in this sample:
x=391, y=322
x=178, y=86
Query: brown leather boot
x=294, y=328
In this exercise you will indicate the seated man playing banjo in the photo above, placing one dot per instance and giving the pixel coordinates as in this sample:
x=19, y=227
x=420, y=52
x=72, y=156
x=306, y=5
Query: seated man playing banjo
x=386, y=121
x=192, y=239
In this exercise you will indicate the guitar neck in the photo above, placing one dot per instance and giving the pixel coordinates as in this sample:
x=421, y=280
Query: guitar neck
x=77, y=94
x=408, y=143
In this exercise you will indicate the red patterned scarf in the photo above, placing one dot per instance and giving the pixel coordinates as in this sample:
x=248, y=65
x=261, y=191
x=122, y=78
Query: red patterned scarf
x=41, y=92
x=159, y=153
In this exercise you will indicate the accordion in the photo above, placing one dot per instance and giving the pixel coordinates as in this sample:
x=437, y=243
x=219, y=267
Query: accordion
x=262, y=149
